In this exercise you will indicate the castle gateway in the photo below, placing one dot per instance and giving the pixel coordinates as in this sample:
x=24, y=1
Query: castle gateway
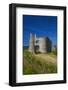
x=39, y=44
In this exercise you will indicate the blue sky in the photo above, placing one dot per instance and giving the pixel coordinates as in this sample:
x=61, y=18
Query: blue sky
x=41, y=26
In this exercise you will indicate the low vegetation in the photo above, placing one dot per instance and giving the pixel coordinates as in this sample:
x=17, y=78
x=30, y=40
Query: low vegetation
x=38, y=63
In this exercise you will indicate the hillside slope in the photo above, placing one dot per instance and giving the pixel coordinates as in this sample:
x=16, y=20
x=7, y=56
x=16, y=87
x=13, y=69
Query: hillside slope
x=39, y=63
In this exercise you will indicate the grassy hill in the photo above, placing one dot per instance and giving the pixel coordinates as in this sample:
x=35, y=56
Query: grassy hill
x=39, y=63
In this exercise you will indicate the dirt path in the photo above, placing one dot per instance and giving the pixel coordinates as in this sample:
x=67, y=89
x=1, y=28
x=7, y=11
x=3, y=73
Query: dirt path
x=47, y=57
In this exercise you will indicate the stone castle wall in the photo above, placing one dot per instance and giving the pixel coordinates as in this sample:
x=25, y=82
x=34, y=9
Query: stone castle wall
x=42, y=44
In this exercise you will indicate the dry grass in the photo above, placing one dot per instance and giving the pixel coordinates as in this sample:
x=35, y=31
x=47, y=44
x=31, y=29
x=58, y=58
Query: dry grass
x=39, y=63
x=47, y=58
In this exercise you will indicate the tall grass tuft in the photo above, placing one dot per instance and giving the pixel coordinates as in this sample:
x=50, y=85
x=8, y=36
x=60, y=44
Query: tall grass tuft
x=33, y=65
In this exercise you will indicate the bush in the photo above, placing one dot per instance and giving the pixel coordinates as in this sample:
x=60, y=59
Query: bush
x=54, y=52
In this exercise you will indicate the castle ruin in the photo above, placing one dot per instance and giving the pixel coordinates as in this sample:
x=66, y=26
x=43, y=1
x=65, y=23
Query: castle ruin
x=39, y=44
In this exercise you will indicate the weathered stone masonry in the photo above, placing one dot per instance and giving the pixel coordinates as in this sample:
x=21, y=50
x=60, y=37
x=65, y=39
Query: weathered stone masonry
x=39, y=44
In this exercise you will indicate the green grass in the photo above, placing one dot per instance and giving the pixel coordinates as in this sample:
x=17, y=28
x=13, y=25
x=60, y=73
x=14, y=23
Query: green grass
x=34, y=65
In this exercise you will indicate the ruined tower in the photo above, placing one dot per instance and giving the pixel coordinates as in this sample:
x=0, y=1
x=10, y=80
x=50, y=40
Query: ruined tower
x=39, y=44
x=42, y=45
x=31, y=43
